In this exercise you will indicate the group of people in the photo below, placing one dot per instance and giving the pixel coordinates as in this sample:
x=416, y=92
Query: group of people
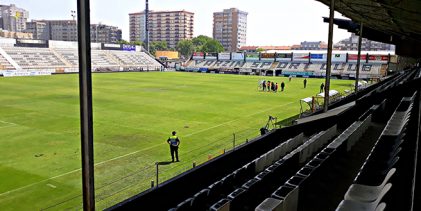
x=173, y=141
x=271, y=86
x=274, y=87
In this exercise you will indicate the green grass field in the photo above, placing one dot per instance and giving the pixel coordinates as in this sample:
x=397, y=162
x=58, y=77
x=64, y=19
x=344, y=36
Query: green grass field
x=134, y=114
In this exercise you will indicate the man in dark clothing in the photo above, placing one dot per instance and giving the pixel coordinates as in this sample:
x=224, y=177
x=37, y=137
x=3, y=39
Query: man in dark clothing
x=282, y=86
x=174, y=142
x=305, y=83
x=322, y=88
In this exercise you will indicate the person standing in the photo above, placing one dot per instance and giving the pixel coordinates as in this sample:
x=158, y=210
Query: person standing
x=282, y=86
x=174, y=142
x=290, y=77
x=322, y=88
x=305, y=82
x=276, y=87
x=264, y=85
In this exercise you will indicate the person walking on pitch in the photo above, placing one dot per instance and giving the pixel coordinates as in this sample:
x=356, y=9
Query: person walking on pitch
x=322, y=88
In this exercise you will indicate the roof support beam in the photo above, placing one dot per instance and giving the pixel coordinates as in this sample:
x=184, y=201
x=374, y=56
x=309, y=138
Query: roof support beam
x=357, y=75
x=329, y=55
x=85, y=93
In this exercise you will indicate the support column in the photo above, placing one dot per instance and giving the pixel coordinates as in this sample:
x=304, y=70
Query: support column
x=357, y=74
x=329, y=55
x=85, y=94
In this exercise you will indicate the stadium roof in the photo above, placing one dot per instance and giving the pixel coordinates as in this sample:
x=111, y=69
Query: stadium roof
x=397, y=22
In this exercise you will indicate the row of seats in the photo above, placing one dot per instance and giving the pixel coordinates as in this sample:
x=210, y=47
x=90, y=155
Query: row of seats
x=316, y=68
x=46, y=58
x=293, y=194
x=373, y=181
x=274, y=166
x=38, y=58
x=5, y=64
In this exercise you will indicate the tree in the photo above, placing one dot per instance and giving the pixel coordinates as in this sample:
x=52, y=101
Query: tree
x=200, y=40
x=136, y=43
x=122, y=42
x=160, y=45
x=260, y=50
x=212, y=46
x=185, y=47
x=156, y=46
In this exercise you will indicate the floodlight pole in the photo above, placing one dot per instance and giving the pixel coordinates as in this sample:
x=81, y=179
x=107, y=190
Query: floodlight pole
x=357, y=75
x=329, y=55
x=147, y=25
x=85, y=94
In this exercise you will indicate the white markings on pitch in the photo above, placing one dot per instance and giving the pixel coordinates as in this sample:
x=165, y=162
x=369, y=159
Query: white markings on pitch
x=250, y=115
x=51, y=186
x=7, y=124
x=135, y=152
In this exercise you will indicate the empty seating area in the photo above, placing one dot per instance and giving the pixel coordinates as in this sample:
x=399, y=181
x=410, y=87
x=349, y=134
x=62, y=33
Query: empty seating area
x=69, y=54
x=131, y=59
x=385, y=175
x=316, y=69
x=102, y=59
x=5, y=65
x=363, y=158
x=67, y=58
x=34, y=58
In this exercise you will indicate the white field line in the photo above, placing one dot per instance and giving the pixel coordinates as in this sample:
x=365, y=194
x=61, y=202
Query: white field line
x=51, y=186
x=131, y=153
x=237, y=119
x=8, y=124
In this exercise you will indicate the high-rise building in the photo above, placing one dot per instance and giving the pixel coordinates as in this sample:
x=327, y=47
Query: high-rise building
x=13, y=18
x=351, y=43
x=310, y=45
x=230, y=28
x=38, y=29
x=66, y=30
x=105, y=34
x=168, y=26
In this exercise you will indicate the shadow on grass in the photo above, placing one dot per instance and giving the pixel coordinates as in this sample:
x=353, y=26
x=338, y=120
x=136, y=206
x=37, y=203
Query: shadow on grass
x=163, y=163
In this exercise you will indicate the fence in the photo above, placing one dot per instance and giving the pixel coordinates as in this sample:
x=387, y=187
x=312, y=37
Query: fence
x=108, y=193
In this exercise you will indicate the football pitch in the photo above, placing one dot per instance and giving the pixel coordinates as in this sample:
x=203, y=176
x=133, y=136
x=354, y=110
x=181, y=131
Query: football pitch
x=134, y=114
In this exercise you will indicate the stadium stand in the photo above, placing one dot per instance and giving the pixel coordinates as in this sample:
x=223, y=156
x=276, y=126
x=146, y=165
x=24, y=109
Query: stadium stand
x=60, y=58
x=102, y=59
x=69, y=54
x=34, y=58
x=316, y=69
x=5, y=63
x=316, y=164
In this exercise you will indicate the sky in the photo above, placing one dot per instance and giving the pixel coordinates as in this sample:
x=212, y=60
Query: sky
x=269, y=22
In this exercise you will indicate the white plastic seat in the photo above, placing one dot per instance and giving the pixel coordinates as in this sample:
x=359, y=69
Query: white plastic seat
x=366, y=193
x=381, y=207
x=270, y=204
x=270, y=158
x=260, y=163
x=350, y=205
